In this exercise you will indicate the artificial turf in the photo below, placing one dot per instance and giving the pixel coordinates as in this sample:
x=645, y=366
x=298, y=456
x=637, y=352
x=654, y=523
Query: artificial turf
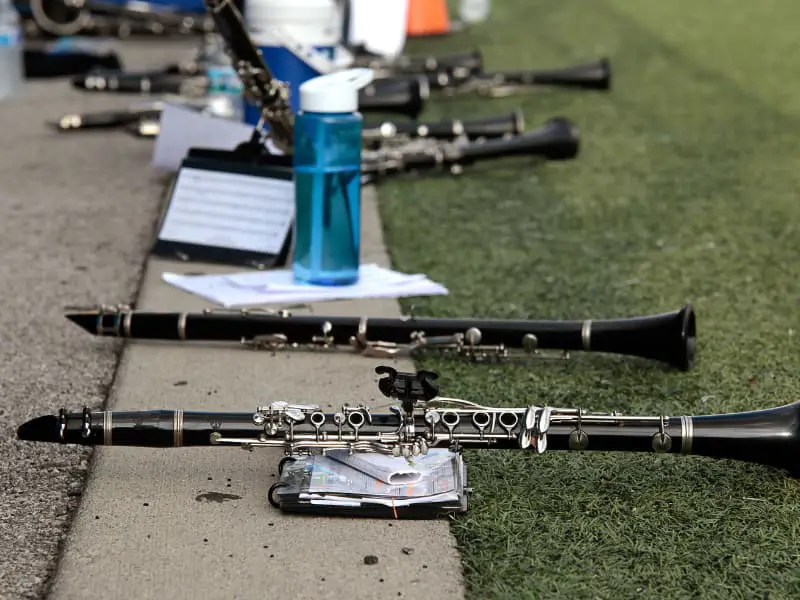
x=686, y=188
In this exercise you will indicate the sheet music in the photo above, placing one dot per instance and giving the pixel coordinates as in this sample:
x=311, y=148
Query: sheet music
x=229, y=210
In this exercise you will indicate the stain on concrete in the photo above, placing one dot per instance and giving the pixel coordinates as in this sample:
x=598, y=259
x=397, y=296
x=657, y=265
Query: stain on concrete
x=216, y=497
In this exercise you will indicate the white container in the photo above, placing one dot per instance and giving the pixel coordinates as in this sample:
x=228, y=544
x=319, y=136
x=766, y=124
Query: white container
x=474, y=11
x=312, y=22
x=12, y=69
x=379, y=25
x=290, y=34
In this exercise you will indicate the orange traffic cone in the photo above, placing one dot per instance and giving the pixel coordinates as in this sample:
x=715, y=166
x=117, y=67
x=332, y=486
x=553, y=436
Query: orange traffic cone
x=427, y=17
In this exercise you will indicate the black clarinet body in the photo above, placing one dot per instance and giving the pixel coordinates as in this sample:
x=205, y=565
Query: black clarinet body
x=148, y=428
x=588, y=76
x=558, y=139
x=460, y=63
x=770, y=437
x=137, y=83
x=106, y=119
x=375, y=133
x=669, y=337
x=491, y=127
x=403, y=96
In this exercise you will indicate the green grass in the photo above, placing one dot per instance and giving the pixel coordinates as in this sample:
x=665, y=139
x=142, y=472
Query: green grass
x=686, y=189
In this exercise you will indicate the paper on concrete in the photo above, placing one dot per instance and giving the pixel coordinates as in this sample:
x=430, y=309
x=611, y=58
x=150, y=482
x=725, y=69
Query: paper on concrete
x=229, y=210
x=278, y=287
x=182, y=128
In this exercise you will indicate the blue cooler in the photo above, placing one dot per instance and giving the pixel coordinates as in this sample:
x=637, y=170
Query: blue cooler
x=315, y=24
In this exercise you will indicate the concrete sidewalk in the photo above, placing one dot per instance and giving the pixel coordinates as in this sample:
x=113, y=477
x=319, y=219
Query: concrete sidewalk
x=195, y=522
x=76, y=219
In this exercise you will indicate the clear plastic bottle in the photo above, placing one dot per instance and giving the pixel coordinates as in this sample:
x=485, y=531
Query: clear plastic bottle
x=474, y=11
x=224, y=92
x=12, y=73
x=327, y=178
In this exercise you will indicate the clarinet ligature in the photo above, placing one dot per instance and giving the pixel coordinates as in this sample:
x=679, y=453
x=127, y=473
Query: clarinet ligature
x=668, y=337
x=423, y=419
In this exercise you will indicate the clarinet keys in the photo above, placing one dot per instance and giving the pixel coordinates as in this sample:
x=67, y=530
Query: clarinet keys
x=533, y=433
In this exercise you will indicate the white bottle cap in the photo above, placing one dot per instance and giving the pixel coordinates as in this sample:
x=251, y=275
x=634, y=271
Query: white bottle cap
x=334, y=92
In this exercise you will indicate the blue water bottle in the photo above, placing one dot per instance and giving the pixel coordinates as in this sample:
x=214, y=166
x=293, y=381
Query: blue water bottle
x=327, y=179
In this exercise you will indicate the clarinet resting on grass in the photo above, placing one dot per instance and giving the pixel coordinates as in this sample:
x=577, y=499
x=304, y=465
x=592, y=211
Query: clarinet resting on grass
x=423, y=420
x=668, y=337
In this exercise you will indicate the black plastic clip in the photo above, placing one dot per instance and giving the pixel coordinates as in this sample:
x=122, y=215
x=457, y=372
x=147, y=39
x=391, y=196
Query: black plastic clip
x=409, y=388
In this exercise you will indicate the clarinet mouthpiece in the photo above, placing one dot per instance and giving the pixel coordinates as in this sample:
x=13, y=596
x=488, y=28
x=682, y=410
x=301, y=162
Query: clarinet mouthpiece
x=86, y=321
x=40, y=429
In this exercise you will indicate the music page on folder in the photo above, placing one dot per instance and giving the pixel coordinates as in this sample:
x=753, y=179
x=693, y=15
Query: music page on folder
x=229, y=210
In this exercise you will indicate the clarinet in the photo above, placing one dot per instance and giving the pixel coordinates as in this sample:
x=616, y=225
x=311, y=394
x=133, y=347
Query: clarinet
x=460, y=63
x=403, y=96
x=589, y=76
x=60, y=18
x=259, y=85
x=558, y=139
x=669, y=337
x=423, y=419
x=106, y=119
x=374, y=133
x=126, y=82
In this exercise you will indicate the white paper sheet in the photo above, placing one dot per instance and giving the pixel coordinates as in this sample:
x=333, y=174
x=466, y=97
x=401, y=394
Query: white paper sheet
x=183, y=128
x=277, y=287
x=229, y=210
x=380, y=25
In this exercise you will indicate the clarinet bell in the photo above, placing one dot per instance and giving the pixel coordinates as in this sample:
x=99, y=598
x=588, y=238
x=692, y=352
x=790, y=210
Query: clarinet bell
x=670, y=338
x=557, y=139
